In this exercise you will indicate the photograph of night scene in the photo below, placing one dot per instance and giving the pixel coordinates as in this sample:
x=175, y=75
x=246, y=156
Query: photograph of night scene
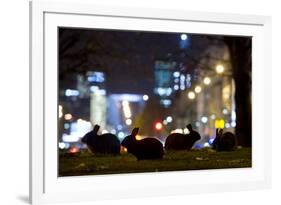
x=143, y=101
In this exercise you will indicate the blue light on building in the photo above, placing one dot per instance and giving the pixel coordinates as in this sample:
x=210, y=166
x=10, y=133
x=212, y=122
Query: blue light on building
x=71, y=92
x=97, y=77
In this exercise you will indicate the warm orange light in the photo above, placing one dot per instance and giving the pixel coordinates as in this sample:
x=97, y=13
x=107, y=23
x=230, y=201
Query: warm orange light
x=123, y=149
x=73, y=150
x=138, y=137
x=158, y=126
x=68, y=116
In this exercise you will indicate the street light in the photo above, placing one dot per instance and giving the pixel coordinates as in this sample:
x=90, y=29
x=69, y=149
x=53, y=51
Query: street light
x=128, y=121
x=68, y=116
x=183, y=37
x=197, y=89
x=204, y=119
x=145, y=97
x=191, y=95
x=207, y=80
x=169, y=119
x=219, y=69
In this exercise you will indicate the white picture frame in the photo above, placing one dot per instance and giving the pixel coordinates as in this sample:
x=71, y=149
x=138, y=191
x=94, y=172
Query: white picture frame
x=46, y=187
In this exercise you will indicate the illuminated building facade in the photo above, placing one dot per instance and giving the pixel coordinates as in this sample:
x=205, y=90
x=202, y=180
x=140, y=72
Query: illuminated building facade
x=123, y=107
x=83, y=102
x=169, y=78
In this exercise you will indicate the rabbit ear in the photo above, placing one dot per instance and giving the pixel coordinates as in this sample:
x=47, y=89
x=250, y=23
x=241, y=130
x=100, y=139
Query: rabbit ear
x=135, y=131
x=220, y=132
x=217, y=132
x=96, y=129
x=189, y=127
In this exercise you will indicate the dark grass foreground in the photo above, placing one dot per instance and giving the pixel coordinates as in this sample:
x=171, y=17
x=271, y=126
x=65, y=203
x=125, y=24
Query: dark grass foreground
x=85, y=163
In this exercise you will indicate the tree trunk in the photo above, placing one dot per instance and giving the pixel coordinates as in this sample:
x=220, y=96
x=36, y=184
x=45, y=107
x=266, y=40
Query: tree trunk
x=241, y=59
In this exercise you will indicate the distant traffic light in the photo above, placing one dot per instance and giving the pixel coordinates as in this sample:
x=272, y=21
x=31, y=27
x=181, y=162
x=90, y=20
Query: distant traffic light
x=219, y=123
x=158, y=126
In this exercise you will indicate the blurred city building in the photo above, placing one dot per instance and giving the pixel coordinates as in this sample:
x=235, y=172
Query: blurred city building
x=169, y=79
x=85, y=101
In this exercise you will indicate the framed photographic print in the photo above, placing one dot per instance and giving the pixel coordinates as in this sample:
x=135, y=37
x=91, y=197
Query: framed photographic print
x=130, y=102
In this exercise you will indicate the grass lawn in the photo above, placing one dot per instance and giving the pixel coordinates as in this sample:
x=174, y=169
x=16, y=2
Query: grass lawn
x=85, y=163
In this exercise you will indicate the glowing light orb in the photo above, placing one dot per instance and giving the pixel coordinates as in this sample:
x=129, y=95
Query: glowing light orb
x=138, y=137
x=204, y=119
x=169, y=119
x=183, y=37
x=121, y=135
x=73, y=150
x=62, y=145
x=219, y=69
x=158, y=126
x=227, y=125
x=128, y=122
x=197, y=89
x=191, y=95
x=207, y=81
x=186, y=131
x=225, y=111
x=68, y=116
x=145, y=97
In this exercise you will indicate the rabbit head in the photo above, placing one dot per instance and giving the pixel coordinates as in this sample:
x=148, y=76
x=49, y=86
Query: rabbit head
x=192, y=133
x=219, y=133
x=90, y=134
x=130, y=140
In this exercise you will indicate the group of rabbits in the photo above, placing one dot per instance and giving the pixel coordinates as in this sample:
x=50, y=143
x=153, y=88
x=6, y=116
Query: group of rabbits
x=152, y=148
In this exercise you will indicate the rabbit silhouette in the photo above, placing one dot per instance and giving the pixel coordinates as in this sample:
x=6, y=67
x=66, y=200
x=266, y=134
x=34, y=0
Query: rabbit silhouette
x=224, y=141
x=104, y=144
x=178, y=141
x=147, y=148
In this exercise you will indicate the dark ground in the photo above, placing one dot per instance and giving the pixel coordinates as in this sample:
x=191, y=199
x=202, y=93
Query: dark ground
x=85, y=163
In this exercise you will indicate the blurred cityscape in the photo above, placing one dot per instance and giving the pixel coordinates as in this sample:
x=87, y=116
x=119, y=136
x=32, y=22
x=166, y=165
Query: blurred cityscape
x=160, y=82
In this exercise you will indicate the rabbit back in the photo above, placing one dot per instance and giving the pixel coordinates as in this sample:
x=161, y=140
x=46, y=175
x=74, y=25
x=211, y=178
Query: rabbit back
x=228, y=142
x=104, y=144
x=177, y=141
x=107, y=143
x=148, y=148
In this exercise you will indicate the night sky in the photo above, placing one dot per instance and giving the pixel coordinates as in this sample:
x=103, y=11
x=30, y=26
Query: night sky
x=127, y=57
